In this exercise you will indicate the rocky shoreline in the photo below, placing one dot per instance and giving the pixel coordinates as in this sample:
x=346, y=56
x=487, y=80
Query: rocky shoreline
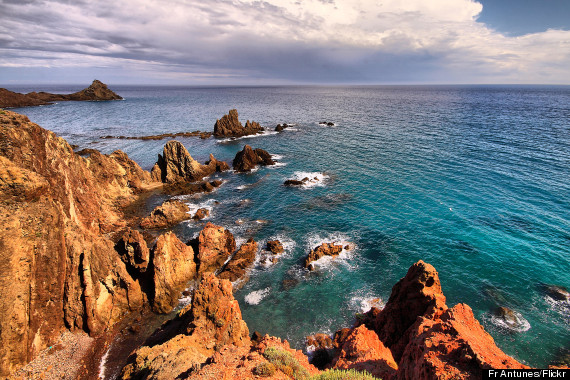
x=98, y=267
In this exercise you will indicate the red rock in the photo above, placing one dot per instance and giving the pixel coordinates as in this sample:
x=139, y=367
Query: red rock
x=174, y=267
x=325, y=249
x=170, y=213
x=275, y=247
x=201, y=213
x=418, y=294
x=363, y=351
x=236, y=268
x=451, y=346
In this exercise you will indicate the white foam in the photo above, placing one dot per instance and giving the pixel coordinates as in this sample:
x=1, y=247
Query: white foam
x=102, y=367
x=520, y=325
x=276, y=157
x=265, y=257
x=364, y=304
x=255, y=297
x=208, y=205
x=242, y=187
x=562, y=306
x=315, y=179
x=277, y=165
x=185, y=300
x=266, y=132
x=345, y=255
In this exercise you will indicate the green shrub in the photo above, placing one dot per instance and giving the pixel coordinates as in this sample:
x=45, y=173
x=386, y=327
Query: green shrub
x=343, y=374
x=286, y=363
x=264, y=369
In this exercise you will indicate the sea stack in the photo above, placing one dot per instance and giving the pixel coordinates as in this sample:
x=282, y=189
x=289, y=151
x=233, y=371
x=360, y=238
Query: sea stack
x=230, y=126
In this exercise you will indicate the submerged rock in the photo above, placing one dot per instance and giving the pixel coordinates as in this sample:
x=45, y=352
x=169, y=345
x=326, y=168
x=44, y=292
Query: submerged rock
x=511, y=319
x=247, y=159
x=229, y=126
x=170, y=213
x=325, y=249
x=177, y=165
x=557, y=293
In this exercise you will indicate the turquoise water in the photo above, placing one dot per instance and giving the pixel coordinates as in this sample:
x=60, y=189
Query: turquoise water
x=474, y=180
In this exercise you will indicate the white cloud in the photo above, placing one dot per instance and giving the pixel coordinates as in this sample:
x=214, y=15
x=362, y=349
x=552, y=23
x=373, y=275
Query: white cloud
x=298, y=40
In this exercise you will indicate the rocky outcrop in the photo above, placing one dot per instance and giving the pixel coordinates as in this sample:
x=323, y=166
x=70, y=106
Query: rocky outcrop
x=174, y=267
x=230, y=126
x=275, y=247
x=247, y=159
x=162, y=136
x=133, y=250
x=177, y=165
x=168, y=214
x=96, y=91
x=243, y=259
x=363, y=351
x=201, y=213
x=425, y=338
x=212, y=321
x=60, y=270
x=214, y=245
x=325, y=249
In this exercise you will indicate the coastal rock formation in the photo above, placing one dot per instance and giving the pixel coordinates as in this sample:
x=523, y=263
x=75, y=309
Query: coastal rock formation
x=201, y=213
x=275, y=247
x=177, y=165
x=325, y=249
x=96, y=91
x=423, y=336
x=230, y=126
x=162, y=136
x=363, y=351
x=181, y=345
x=174, y=267
x=166, y=215
x=214, y=245
x=237, y=267
x=247, y=159
x=133, y=250
x=61, y=271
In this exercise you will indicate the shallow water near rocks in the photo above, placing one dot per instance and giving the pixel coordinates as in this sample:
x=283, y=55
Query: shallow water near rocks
x=472, y=179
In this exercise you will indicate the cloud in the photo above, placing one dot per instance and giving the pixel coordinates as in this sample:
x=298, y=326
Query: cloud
x=279, y=40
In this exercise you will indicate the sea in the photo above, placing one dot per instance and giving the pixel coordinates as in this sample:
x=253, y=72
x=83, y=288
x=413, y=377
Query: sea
x=474, y=180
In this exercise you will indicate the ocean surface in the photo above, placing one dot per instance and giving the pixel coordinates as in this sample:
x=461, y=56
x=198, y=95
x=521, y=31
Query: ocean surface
x=474, y=180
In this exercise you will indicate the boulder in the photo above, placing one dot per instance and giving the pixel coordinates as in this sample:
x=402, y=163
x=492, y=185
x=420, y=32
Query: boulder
x=213, y=320
x=177, y=165
x=363, y=351
x=168, y=214
x=229, y=126
x=133, y=250
x=322, y=348
x=275, y=247
x=557, y=293
x=236, y=268
x=247, y=159
x=511, y=318
x=325, y=249
x=174, y=267
x=201, y=213
x=214, y=245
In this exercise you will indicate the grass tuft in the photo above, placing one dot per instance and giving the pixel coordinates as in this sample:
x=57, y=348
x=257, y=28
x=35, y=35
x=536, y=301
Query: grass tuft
x=343, y=374
x=286, y=363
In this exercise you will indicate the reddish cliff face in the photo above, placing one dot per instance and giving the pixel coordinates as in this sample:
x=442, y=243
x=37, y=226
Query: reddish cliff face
x=421, y=337
x=96, y=91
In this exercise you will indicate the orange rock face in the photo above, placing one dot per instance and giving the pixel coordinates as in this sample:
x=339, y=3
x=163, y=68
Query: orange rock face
x=325, y=249
x=177, y=165
x=363, y=351
x=237, y=267
x=166, y=215
x=215, y=245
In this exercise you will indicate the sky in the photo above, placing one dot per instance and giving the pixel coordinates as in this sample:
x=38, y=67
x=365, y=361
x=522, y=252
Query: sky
x=274, y=42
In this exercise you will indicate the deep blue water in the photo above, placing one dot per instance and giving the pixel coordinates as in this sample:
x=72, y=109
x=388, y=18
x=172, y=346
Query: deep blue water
x=472, y=179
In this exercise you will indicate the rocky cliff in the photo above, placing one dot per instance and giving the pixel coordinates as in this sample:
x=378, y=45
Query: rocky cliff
x=96, y=91
x=230, y=126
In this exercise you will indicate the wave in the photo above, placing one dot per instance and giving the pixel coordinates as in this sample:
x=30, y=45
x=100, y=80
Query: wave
x=208, y=205
x=231, y=139
x=314, y=179
x=102, y=366
x=255, y=297
x=327, y=262
x=363, y=304
x=520, y=324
